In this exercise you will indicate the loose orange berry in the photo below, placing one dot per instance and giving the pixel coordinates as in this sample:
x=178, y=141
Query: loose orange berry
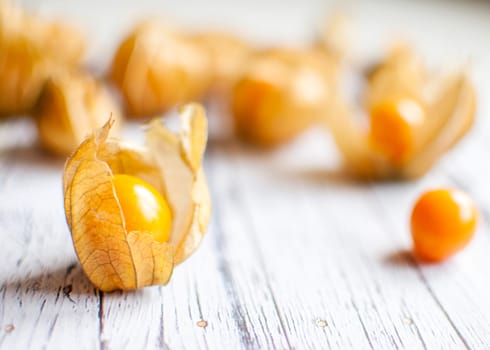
x=144, y=209
x=443, y=222
x=392, y=127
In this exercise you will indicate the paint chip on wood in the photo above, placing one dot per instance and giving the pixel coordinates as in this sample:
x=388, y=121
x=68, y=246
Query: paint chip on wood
x=9, y=328
x=321, y=323
x=202, y=323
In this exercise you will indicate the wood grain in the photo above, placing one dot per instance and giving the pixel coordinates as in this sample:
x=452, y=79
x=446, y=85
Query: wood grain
x=44, y=295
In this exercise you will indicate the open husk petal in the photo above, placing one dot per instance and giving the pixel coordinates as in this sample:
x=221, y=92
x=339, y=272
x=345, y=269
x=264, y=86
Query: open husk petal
x=401, y=74
x=111, y=257
x=94, y=215
x=353, y=143
x=179, y=160
x=456, y=107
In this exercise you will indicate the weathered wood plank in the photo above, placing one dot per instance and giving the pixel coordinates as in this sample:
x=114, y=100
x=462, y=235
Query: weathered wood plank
x=326, y=244
x=45, y=300
x=131, y=320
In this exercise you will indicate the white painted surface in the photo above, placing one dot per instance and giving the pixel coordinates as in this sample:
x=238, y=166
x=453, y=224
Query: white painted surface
x=296, y=256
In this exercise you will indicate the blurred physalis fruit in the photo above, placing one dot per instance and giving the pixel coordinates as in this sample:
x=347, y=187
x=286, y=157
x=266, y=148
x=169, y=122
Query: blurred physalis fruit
x=58, y=40
x=282, y=93
x=413, y=118
x=30, y=51
x=443, y=222
x=135, y=213
x=156, y=67
x=72, y=105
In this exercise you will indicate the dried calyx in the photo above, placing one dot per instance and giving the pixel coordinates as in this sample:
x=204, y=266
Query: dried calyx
x=30, y=52
x=114, y=254
x=414, y=118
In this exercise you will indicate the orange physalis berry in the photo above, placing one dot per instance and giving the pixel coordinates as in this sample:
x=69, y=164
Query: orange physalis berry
x=443, y=222
x=143, y=208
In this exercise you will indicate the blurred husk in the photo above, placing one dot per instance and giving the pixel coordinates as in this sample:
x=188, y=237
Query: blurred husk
x=71, y=106
x=157, y=67
x=30, y=52
x=281, y=93
x=448, y=102
x=228, y=54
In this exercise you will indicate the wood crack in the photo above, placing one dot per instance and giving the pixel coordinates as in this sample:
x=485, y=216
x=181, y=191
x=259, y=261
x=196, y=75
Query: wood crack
x=239, y=315
x=441, y=307
x=253, y=238
x=255, y=244
x=161, y=331
x=102, y=340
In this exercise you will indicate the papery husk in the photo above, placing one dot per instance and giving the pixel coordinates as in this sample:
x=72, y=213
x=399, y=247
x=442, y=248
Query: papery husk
x=58, y=40
x=156, y=67
x=353, y=143
x=450, y=114
x=72, y=105
x=335, y=35
x=282, y=93
x=23, y=74
x=401, y=74
x=228, y=58
x=30, y=52
x=453, y=113
x=111, y=257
